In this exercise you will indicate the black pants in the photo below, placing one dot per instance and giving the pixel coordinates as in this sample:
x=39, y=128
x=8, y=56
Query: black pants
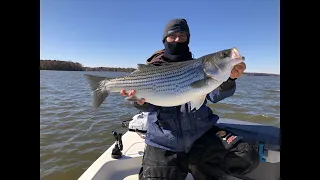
x=216, y=153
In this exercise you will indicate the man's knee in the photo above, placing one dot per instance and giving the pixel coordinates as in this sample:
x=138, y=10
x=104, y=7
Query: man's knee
x=160, y=164
x=241, y=159
x=161, y=172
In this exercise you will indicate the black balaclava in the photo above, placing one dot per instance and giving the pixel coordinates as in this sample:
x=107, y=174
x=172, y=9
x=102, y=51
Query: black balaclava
x=176, y=51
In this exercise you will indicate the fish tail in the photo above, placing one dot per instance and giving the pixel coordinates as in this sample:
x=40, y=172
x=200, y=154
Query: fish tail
x=99, y=92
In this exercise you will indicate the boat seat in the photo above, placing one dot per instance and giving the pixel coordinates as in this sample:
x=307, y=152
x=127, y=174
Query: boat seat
x=132, y=177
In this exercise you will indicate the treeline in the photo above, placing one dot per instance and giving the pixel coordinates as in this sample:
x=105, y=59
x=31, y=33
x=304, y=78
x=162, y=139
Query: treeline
x=260, y=74
x=74, y=66
x=114, y=69
x=60, y=65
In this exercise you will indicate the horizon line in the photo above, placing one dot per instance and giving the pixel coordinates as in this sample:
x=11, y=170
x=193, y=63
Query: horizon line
x=132, y=67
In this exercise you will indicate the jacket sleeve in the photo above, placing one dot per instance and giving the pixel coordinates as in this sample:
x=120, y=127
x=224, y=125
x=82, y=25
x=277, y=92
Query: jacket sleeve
x=225, y=90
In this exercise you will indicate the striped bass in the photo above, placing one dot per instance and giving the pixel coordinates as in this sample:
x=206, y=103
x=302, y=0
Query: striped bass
x=171, y=84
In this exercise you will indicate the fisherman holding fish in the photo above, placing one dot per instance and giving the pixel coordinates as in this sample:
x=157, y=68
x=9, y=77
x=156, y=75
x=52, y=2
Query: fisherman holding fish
x=173, y=88
x=184, y=138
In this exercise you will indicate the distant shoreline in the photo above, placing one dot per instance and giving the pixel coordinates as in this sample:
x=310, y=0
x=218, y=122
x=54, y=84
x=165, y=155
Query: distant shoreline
x=59, y=65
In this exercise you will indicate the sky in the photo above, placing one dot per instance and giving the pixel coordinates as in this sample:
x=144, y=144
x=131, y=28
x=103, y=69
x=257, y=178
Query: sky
x=124, y=33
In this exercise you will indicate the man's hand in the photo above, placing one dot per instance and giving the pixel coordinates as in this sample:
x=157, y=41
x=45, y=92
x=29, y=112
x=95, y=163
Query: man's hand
x=132, y=93
x=237, y=70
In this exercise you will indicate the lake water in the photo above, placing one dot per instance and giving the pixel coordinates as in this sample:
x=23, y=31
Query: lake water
x=72, y=136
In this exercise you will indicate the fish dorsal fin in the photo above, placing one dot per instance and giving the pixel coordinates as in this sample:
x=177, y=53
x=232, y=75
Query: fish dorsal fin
x=142, y=66
x=168, y=63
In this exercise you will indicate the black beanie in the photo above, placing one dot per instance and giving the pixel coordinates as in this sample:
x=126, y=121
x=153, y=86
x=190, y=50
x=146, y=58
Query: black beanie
x=176, y=25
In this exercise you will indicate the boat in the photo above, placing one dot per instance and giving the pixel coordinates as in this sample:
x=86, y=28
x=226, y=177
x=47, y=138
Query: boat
x=122, y=160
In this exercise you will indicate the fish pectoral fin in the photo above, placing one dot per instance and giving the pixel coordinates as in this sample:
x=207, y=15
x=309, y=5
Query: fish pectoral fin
x=197, y=103
x=132, y=98
x=199, y=84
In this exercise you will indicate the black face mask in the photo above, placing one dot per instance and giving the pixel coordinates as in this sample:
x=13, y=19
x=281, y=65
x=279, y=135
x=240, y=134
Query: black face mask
x=175, y=48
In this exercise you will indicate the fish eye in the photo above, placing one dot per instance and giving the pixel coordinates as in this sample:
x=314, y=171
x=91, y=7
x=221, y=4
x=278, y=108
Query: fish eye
x=224, y=54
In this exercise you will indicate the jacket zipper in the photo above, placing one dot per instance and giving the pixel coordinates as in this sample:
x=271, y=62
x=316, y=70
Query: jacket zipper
x=180, y=129
x=195, y=124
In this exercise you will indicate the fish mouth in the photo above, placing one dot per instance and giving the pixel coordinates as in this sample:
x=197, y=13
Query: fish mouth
x=236, y=55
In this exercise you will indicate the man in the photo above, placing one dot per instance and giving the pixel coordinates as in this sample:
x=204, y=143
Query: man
x=180, y=140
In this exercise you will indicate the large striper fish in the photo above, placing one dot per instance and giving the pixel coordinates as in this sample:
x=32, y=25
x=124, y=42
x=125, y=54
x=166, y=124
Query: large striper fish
x=171, y=84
